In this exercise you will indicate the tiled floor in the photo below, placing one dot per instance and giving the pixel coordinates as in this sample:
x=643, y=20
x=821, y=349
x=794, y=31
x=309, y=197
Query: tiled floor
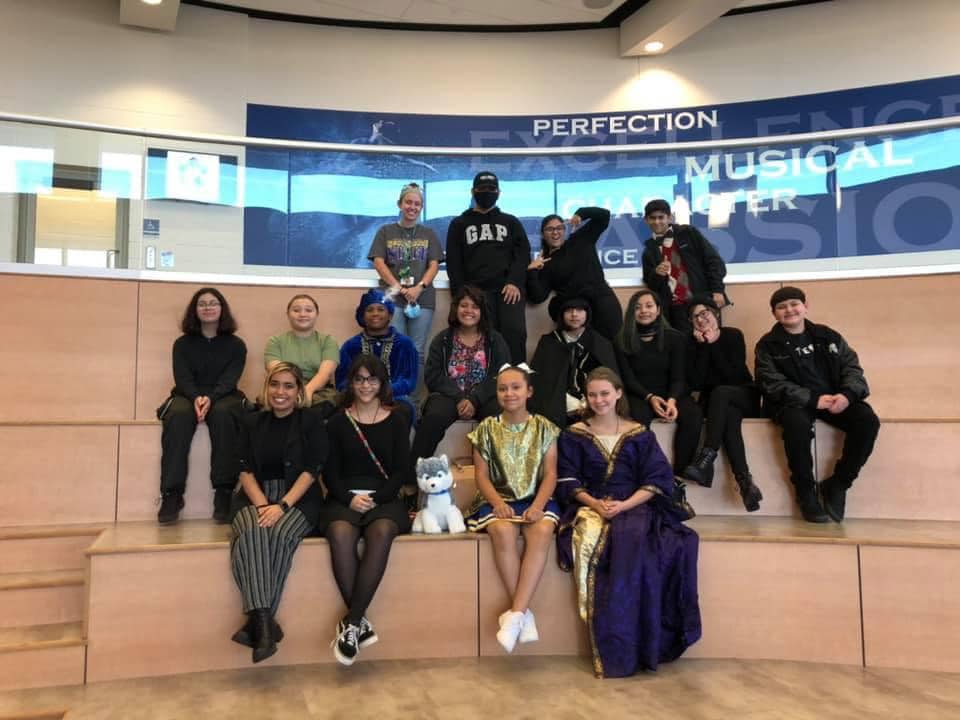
x=521, y=687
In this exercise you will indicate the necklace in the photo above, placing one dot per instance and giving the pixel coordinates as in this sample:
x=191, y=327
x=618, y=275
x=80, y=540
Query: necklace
x=356, y=415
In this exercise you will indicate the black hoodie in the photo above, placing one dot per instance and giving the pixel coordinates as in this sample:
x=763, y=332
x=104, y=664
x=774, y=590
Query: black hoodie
x=488, y=250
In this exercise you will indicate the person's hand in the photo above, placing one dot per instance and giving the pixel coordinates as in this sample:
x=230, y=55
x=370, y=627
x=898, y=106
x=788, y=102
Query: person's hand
x=502, y=511
x=720, y=300
x=465, y=409
x=538, y=262
x=671, y=412
x=269, y=515
x=839, y=404
x=511, y=294
x=201, y=406
x=711, y=335
x=362, y=503
x=659, y=405
x=613, y=508
x=699, y=336
x=533, y=514
x=412, y=294
x=824, y=402
x=663, y=268
x=574, y=222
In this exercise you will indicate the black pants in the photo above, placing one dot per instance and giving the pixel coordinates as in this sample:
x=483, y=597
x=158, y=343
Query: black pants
x=606, y=315
x=179, y=424
x=439, y=413
x=510, y=321
x=858, y=421
x=689, y=423
x=727, y=406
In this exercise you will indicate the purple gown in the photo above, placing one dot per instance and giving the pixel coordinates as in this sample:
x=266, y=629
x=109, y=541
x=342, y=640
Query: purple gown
x=642, y=606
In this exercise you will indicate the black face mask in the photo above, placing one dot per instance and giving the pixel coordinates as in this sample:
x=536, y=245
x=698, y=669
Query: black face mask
x=486, y=199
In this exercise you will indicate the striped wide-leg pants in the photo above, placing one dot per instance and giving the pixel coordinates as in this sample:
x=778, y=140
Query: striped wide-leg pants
x=261, y=557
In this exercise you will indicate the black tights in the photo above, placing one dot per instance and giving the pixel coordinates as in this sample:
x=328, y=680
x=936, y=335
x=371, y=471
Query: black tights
x=358, y=578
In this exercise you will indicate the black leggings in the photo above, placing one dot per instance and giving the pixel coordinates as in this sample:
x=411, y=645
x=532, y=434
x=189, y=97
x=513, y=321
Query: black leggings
x=358, y=578
x=727, y=406
x=607, y=315
x=689, y=422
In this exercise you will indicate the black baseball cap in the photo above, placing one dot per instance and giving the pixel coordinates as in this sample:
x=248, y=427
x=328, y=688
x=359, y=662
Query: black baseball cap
x=485, y=180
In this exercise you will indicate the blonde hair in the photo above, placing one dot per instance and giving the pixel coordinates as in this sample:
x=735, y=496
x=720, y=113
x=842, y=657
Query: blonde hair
x=410, y=188
x=276, y=370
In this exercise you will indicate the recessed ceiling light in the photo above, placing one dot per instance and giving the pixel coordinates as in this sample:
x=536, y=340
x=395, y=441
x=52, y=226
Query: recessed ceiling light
x=151, y=2
x=652, y=47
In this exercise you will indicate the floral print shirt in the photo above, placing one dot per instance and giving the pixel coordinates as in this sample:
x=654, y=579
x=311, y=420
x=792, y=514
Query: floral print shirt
x=468, y=365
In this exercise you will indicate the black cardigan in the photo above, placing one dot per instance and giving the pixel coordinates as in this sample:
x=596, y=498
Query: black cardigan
x=435, y=369
x=650, y=370
x=705, y=268
x=551, y=362
x=723, y=362
x=306, y=450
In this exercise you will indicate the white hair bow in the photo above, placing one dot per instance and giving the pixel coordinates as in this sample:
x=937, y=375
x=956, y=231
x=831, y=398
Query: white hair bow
x=523, y=367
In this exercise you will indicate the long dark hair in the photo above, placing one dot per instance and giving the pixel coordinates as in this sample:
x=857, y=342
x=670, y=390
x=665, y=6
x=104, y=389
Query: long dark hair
x=475, y=294
x=604, y=373
x=377, y=369
x=190, y=325
x=546, y=250
x=628, y=338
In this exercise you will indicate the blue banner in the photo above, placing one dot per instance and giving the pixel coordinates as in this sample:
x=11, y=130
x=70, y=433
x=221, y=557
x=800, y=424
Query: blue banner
x=828, y=199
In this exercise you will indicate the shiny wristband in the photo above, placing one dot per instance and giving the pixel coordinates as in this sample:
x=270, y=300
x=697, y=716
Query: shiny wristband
x=283, y=505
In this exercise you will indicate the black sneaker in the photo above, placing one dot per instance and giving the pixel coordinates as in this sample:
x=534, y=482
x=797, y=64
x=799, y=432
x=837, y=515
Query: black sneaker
x=346, y=645
x=170, y=506
x=834, y=498
x=810, y=507
x=366, y=635
x=221, y=505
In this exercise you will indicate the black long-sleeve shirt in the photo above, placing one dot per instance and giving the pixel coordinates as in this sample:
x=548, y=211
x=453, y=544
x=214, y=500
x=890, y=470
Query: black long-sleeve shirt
x=350, y=467
x=723, y=362
x=649, y=370
x=574, y=268
x=208, y=366
x=488, y=250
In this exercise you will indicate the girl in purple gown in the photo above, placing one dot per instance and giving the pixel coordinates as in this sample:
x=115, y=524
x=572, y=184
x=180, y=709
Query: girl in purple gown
x=634, y=561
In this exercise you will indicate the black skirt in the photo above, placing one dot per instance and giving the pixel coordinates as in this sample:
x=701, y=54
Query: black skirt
x=334, y=510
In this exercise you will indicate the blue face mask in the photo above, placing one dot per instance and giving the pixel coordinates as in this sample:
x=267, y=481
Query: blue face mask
x=412, y=310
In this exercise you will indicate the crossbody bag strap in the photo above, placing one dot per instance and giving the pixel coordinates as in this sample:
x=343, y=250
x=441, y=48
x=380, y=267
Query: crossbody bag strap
x=363, y=439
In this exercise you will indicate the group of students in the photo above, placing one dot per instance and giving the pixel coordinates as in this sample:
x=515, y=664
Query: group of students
x=561, y=449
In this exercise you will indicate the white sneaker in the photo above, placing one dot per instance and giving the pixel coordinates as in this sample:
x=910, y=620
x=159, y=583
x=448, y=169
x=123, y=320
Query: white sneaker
x=529, y=631
x=510, y=630
x=502, y=617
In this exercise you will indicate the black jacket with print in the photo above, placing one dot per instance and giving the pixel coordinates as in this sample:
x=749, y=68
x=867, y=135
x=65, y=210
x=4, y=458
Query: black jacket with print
x=778, y=370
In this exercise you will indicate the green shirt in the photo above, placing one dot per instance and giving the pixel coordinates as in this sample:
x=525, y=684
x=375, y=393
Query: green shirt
x=305, y=352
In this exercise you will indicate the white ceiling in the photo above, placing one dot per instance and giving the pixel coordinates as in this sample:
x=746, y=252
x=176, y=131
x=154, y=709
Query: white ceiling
x=669, y=22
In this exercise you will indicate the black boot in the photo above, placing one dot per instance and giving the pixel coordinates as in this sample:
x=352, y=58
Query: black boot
x=222, y=497
x=264, y=644
x=749, y=492
x=834, y=495
x=245, y=635
x=701, y=470
x=810, y=506
x=170, y=506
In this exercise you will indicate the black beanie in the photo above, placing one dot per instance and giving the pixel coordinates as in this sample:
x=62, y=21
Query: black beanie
x=786, y=293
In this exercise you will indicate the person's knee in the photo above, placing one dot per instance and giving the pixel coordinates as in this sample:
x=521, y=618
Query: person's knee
x=795, y=420
x=340, y=533
x=540, y=532
x=245, y=520
x=180, y=415
x=381, y=531
x=502, y=533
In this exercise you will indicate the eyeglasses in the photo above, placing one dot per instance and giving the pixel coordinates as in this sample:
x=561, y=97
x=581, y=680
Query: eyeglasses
x=366, y=380
x=702, y=315
x=211, y=304
x=553, y=228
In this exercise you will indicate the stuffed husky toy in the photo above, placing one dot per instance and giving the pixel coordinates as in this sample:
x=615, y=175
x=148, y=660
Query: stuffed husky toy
x=439, y=512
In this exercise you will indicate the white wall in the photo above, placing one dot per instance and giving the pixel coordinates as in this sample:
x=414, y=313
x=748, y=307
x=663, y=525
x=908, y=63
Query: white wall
x=70, y=59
